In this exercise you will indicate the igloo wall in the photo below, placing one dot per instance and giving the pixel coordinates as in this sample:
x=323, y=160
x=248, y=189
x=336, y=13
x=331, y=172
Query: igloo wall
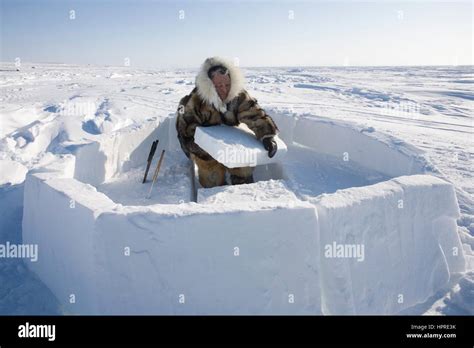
x=175, y=251
x=232, y=253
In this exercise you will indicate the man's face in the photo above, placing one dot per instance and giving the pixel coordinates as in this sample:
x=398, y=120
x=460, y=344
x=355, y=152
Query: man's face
x=222, y=85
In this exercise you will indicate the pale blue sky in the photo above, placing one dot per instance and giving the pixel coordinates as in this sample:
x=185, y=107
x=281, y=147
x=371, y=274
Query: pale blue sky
x=259, y=33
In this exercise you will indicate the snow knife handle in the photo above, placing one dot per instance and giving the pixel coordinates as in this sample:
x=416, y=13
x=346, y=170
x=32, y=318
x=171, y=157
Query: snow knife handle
x=150, y=158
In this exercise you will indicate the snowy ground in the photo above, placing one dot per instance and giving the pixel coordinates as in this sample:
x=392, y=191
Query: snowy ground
x=52, y=108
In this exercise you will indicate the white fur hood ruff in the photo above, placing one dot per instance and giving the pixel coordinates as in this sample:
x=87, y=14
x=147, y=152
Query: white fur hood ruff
x=206, y=89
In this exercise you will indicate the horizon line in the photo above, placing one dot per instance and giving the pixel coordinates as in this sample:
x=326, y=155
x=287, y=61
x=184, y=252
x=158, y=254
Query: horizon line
x=245, y=67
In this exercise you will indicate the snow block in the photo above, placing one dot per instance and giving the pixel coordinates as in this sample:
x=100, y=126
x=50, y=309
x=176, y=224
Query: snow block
x=236, y=146
x=100, y=160
x=383, y=155
x=180, y=263
x=286, y=122
x=444, y=211
x=381, y=250
x=59, y=217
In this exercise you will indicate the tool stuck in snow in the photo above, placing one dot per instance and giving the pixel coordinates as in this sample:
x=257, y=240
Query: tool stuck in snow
x=150, y=158
x=194, y=180
x=156, y=172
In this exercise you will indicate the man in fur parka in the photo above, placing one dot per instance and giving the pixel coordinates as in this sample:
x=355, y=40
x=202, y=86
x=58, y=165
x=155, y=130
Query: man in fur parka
x=220, y=98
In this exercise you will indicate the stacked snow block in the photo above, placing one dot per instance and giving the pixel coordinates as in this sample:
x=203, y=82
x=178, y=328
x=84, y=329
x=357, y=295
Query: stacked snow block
x=352, y=143
x=99, y=257
x=375, y=249
x=98, y=161
x=183, y=259
x=190, y=260
x=383, y=248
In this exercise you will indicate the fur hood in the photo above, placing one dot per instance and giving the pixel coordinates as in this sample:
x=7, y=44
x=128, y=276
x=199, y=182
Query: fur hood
x=206, y=89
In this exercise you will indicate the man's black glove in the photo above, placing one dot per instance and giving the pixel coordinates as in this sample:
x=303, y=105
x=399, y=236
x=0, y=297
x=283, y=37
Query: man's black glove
x=270, y=145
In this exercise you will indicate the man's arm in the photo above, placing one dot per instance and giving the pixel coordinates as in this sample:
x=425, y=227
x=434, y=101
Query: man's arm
x=250, y=113
x=186, y=123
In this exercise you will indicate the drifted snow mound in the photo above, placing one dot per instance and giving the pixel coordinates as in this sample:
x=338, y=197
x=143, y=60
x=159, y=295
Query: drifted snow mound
x=8, y=166
x=349, y=223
